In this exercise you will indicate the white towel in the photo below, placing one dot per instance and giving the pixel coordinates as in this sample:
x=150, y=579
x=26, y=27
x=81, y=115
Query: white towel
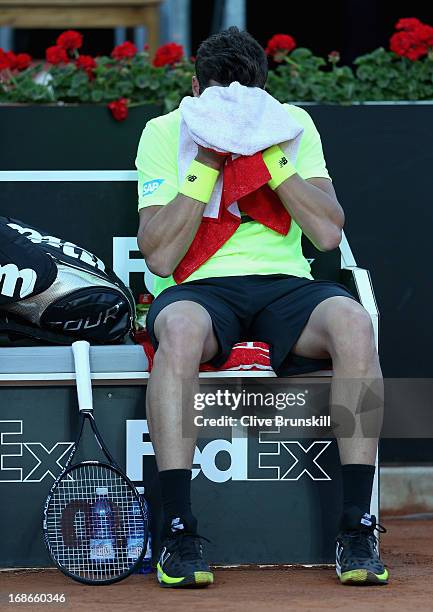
x=240, y=120
x=237, y=119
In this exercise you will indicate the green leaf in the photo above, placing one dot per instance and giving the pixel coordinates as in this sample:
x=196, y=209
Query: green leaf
x=79, y=79
x=97, y=95
x=141, y=81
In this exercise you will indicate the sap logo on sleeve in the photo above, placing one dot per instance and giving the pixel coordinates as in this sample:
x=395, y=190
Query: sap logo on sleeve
x=151, y=186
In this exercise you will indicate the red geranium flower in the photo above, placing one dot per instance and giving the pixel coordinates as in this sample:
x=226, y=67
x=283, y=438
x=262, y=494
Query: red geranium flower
x=119, y=109
x=4, y=60
x=168, y=55
x=10, y=60
x=406, y=45
x=22, y=61
x=56, y=55
x=334, y=57
x=407, y=23
x=414, y=40
x=86, y=63
x=279, y=46
x=70, y=40
x=425, y=35
x=124, y=51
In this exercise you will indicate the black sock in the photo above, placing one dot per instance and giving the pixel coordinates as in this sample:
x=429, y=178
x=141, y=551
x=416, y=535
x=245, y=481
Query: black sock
x=357, y=486
x=176, y=500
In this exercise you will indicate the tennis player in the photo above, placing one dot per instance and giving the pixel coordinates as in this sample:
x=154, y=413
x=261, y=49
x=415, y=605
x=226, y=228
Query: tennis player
x=255, y=286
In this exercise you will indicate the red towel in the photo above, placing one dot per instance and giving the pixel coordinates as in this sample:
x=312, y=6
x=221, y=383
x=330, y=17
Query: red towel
x=244, y=355
x=245, y=182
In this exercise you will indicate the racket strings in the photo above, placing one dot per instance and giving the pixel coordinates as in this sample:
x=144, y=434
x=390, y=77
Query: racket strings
x=92, y=523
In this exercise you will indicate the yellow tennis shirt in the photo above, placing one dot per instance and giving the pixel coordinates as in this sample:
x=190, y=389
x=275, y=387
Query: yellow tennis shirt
x=253, y=248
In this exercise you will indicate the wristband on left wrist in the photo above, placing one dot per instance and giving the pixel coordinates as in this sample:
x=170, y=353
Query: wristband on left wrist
x=279, y=166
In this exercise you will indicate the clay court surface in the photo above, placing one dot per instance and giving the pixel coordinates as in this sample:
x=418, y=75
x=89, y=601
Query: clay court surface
x=407, y=549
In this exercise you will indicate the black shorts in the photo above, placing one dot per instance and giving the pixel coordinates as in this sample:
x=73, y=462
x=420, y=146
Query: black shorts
x=270, y=308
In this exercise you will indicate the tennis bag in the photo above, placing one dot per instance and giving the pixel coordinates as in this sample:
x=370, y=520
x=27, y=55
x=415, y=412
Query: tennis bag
x=53, y=291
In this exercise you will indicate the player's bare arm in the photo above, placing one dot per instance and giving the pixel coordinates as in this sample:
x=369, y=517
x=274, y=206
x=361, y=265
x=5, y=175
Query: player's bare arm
x=314, y=206
x=165, y=232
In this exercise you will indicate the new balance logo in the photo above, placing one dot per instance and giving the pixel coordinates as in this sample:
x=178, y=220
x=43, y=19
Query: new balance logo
x=338, y=553
x=366, y=520
x=191, y=178
x=9, y=277
x=177, y=525
x=164, y=556
x=282, y=162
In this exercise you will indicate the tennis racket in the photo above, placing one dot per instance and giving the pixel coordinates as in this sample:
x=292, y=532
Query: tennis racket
x=95, y=524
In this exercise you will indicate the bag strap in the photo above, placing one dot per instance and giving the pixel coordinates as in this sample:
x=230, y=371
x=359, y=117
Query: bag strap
x=9, y=328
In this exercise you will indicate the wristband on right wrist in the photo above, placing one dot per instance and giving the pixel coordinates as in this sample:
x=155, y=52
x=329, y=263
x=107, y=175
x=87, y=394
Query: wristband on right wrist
x=279, y=166
x=199, y=182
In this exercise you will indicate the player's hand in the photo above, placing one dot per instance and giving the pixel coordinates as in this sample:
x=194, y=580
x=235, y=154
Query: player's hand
x=210, y=158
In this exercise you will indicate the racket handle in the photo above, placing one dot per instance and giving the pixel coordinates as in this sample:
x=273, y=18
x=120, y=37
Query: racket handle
x=81, y=352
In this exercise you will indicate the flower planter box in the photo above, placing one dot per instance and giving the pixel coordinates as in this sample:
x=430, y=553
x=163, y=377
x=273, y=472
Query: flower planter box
x=69, y=137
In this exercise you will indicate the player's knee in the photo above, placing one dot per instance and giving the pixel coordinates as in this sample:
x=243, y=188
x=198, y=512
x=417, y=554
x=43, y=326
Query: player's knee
x=181, y=340
x=352, y=333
